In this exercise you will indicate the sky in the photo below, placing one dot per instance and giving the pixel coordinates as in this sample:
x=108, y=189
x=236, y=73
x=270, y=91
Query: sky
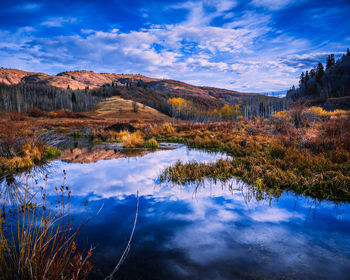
x=249, y=46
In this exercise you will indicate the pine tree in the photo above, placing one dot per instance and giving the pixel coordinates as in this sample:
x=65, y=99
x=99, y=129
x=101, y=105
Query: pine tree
x=307, y=77
x=74, y=98
x=312, y=73
x=319, y=71
x=348, y=52
x=302, y=79
x=330, y=61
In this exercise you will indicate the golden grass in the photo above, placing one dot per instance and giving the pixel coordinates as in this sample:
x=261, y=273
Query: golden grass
x=133, y=140
x=117, y=107
x=310, y=160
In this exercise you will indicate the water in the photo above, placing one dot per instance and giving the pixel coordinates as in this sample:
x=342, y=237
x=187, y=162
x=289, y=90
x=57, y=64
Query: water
x=213, y=231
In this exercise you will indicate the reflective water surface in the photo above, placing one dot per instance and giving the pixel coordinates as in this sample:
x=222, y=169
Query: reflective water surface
x=213, y=231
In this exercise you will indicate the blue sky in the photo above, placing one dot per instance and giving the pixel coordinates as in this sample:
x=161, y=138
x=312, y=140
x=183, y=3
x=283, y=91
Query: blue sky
x=256, y=45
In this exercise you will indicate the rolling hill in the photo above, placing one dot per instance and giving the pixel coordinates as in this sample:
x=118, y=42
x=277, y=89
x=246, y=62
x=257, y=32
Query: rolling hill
x=135, y=83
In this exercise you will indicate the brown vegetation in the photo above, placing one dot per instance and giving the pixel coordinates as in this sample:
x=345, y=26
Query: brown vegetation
x=37, y=240
x=310, y=158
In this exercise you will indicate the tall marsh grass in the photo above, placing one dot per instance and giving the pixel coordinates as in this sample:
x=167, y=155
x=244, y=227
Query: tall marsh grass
x=38, y=240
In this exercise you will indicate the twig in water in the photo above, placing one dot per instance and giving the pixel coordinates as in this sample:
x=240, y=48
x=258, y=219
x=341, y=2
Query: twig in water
x=127, y=249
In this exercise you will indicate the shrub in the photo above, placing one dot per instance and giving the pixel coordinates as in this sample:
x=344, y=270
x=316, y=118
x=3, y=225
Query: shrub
x=168, y=128
x=36, y=113
x=152, y=144
x=51, y=152
x=132, y=140
x=16, y=116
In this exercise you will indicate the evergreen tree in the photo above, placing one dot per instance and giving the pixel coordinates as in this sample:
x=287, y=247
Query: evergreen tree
x=302, y=79
x=312, y=73
x=138, y=84
x=330, y=61
x=74, y=98
x=319, y=71
x=307, y=77
x=348, y=52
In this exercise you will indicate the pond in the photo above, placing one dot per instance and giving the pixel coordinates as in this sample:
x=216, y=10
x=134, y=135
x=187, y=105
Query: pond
x=210, y=231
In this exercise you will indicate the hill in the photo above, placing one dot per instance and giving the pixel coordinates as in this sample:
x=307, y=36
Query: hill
x=116, y=107
x=83, y=90
x=80, y=80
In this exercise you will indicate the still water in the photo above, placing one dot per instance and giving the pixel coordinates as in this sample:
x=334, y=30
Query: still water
x=212, y=231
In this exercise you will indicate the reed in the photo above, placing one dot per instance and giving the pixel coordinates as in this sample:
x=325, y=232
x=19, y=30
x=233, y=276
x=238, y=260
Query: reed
x=38, y=240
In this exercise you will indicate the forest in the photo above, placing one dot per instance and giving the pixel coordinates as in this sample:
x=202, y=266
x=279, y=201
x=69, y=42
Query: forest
x=22, y=97
x=324, y=85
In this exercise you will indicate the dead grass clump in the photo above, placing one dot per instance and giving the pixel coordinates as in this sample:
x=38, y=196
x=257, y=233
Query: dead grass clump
x=36, y=113
x=151, y=144
x=17, y=116
x=133, y=140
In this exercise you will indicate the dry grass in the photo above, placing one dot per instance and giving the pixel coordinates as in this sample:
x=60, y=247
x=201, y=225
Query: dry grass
x=37, y=240
x=117, y=107
x=133, y=140
x=312, y=159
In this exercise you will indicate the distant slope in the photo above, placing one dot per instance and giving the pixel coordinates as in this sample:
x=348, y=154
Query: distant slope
x=133, y=83
x=117, y=107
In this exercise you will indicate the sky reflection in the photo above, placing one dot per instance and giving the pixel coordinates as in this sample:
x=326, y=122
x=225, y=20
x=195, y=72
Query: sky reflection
x=211, y=232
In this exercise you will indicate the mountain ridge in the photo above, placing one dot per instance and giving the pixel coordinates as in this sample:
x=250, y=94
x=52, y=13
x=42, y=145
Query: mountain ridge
x=81, y=79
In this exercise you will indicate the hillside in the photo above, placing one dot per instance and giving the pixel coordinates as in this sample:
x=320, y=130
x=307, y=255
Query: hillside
x=328, y=87
x=80, y=80
x=116, y=107
x=81, y=91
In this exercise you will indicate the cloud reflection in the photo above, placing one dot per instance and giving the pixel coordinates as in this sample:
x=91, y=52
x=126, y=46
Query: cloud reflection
x=211, y=232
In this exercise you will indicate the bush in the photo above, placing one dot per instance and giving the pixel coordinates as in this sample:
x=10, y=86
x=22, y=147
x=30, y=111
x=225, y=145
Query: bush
x=36, y=113
x=152, y=144
x=51, y=152
x=168, y=128
x=132, y=140
x=17, y=116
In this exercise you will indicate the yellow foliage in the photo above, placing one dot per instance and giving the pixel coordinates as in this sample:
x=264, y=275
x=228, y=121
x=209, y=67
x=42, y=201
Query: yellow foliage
x=178, y=103
x=284, y=115
x=123, y=133
x=317, y=111
x=52, y=114
x=132, y=140
x=229, y=111
x=320, y=111
x=168, y=128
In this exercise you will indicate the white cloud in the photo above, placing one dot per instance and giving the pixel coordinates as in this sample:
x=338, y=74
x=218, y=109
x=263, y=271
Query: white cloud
x=275, y=4
x=244, y=54
x=58, y=21
x=274, y=215
x=29, y=7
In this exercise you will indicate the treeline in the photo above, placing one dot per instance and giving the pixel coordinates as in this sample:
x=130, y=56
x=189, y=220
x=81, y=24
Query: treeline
x=321, y=83
x=252, y=107
x=22, y=97
x=263, y=106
